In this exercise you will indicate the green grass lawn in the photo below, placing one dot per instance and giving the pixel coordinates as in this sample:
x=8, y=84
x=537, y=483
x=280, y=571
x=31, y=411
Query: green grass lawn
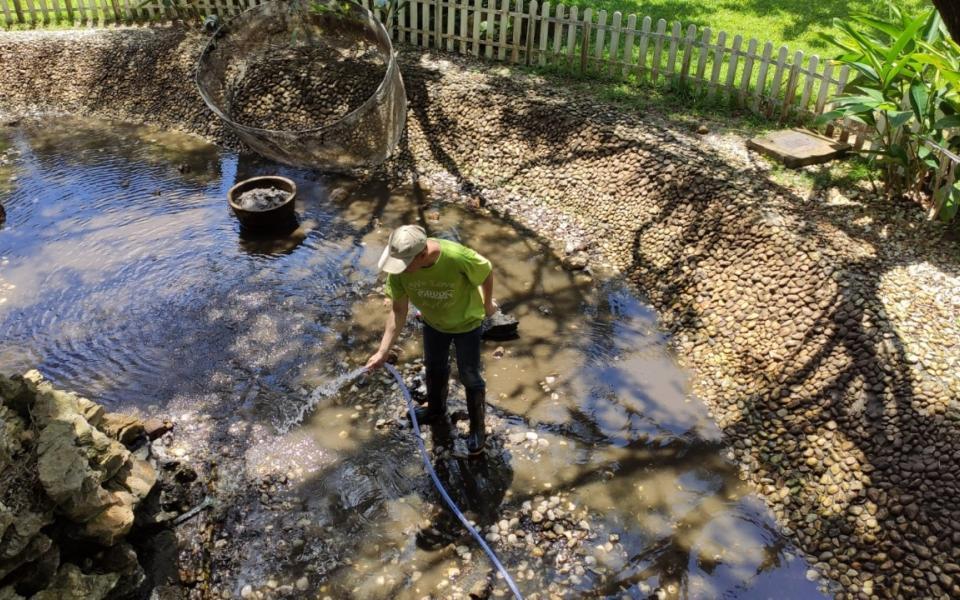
x=793, y=23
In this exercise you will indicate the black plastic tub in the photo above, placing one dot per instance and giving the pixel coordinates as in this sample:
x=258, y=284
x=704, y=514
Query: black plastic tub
x=278, y=218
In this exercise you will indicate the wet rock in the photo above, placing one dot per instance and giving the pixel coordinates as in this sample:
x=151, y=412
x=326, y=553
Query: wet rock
x=155, y=428
x=123, y=428
x=262, y=199
x=76, y=474
x=499, y=326
x=71, y=584
x=576, y=262
x=338, y=195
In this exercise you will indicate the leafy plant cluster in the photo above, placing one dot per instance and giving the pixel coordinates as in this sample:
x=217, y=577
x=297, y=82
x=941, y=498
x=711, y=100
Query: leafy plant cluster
x=907, y=92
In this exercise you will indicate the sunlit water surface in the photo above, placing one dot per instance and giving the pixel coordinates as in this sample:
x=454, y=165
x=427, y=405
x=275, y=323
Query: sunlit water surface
x=124, y=276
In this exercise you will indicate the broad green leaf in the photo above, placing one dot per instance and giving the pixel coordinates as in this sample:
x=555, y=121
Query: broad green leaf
x=947, y=122
x=949, y=208
x=919, y=99
x=873, y=94
x=867, y=71
x=932, y=27
x=906, y=37
x=887, y=28
x=828, y=117
x=899, y=119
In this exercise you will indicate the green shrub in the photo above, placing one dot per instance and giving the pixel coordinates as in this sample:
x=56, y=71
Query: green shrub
x=907, y=77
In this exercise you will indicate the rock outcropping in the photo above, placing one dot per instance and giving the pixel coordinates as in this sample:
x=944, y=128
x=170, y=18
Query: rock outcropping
x=70, y=491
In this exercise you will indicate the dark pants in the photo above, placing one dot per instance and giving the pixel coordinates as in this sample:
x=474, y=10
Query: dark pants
x=436, y=356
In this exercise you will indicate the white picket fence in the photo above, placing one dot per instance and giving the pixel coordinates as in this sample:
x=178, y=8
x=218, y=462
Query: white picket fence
x=773, y=82
x=767, y=80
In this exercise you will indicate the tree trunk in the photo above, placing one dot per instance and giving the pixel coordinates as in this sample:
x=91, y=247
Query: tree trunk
x=950, y=13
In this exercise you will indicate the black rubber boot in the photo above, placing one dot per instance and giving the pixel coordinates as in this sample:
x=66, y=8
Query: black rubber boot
x=477, y=407
x=436, y=409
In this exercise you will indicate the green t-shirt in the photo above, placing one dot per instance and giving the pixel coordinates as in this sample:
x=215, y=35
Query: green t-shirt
x=446, y=292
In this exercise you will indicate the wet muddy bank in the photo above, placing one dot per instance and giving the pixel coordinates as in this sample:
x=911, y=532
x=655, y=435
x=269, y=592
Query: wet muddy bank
x=821, y=330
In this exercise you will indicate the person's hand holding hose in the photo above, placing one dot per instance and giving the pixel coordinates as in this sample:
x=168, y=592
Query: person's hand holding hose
x=375, y=361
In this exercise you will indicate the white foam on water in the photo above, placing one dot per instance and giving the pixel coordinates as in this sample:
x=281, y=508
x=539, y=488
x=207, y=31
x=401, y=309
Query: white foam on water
x=324, y=391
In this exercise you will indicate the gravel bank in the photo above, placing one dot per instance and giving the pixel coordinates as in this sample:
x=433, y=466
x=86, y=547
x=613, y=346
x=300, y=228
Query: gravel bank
x=821, y=328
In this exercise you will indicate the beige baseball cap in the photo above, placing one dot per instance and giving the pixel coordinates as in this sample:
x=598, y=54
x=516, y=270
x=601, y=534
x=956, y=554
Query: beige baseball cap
x=405, y=244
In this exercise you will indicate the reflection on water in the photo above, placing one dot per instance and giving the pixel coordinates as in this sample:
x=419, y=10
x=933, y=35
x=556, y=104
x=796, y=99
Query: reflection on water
x=124, y=276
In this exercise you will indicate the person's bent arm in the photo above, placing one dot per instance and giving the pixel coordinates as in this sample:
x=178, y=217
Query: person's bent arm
x=395, y=322
x=486, y=290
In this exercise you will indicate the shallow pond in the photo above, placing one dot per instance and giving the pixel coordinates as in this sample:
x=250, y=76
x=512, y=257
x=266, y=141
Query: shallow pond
x=124, y=276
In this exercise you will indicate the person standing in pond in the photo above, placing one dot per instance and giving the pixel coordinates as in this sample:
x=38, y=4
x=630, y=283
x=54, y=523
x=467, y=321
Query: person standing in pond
x=452, y=287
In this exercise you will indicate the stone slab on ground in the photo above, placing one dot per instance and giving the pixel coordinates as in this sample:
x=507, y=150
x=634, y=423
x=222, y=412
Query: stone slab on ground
x=797, y=148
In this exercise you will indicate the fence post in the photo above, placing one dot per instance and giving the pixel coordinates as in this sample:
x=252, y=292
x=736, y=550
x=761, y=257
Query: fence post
x=558, y=36
x=415, y=22
x=615, y=42
x=573, y=25
x=517, y=30
x=841, y=84
x=601, y=35
x=18, y=10
x=585, y=49
x=488, y=34
x=777, y=81
x=657, y=48
x=732, y=65
x=628, y=45
x=789, y=97
x=463, y=43
x=747, y=72
x=702, y=59
x=758, y=92
x=477, y=17
x=7, y=17
x=671, y=70
x=688, y=44
x=811, y=72
x=56, y=11
x=532, y=30
x=825, y=78
x=718, y=51
x=504, y=23
x=46, y=11
x=544, y=32
x=644, y=42
x=451, y=24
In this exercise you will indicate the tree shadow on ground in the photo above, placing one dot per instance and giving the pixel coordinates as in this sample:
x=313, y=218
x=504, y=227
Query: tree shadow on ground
x=828, y=377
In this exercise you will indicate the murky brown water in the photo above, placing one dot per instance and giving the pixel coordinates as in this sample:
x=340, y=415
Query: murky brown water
x=123, y=276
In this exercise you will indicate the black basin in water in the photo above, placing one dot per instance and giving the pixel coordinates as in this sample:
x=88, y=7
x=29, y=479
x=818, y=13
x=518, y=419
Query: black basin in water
x=280, y=217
